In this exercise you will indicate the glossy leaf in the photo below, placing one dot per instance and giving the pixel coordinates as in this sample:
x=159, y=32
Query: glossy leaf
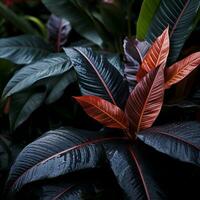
x=58, y=30
x=132, y=171
x=180, y=141
x=54, y=65
x=145, y=101
x=103, y=111
x=24, y=49
x=147, y=12
x=178, y=15
x=134, y=52
x=97, y=77
x=80, y=20
x=156, y=55
x=181, y=69
x=115, y=60
x=57, y=153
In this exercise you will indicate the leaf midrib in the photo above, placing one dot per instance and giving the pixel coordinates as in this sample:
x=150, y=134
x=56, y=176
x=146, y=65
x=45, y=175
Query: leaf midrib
x=98, y=74
x=95, y=141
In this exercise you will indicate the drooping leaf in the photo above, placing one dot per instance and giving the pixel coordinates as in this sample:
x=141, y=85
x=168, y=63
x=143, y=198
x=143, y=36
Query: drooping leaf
x=57, y=153
x=156, y=55
x=134, y=52
x=97, y=77
x=103, y=111
x=132, y=171
x=58, y=30
x=179, y=15
x=180, y=141
x=54, y=65
x=22, y=106
x=147, y=12
x=24, y=49
x=80, y=20
x=145, y=101
x=181, y=69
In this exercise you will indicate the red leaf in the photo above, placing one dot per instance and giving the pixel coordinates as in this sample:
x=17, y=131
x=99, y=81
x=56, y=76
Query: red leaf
x=156, y=55
x=181, y=69
x=145, y=102
x=103, y=111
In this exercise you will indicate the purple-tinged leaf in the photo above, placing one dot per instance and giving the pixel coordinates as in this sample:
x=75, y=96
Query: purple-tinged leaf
x=58, y=30
x=134, y=52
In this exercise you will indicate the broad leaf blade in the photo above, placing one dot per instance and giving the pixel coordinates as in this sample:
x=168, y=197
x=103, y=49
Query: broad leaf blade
x=156, y=55
x=181, y=69
x=70, y=149
x=54, y=65
x=132, y=171
x=56, y=88
x=103, y=111
x=24, y=49
x=147, y=12
x=134, y=52
x=79, y=19
x=179, y=15
x=97, y=77
x=22, y=106
x=145, y=101
x=180, y=141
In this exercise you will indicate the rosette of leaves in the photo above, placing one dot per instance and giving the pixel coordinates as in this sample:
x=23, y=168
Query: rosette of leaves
x=64, y=152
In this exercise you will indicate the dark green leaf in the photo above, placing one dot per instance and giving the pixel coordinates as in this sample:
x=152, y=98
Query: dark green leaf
x=180, y=141
x=57, y=87
x=54, y=65
x=24, y=49
x=147, y=12
x=80, y=20
x=22, y=106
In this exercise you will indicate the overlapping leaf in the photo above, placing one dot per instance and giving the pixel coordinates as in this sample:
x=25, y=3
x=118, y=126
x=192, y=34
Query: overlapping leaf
x=103, y=111
x=97, y=76
x=79, y=19
x=156, y=55
x=24, y=49
x=22, y=106
x=180, y=141
x=57, y=153
x=181, y=69
x=147, y=12
x=179, y=15
x=54, y=65
x=134, y=52
x=130, y=166
x=145, y=101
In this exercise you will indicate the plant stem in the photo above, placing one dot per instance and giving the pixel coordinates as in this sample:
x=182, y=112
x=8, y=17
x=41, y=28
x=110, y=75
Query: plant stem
x=17, y=21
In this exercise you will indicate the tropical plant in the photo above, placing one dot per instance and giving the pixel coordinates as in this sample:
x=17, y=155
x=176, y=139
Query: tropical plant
x=66, y=155
x=131, y=142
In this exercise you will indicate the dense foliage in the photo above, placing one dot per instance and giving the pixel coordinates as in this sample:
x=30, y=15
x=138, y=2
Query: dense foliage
x=100, y=99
